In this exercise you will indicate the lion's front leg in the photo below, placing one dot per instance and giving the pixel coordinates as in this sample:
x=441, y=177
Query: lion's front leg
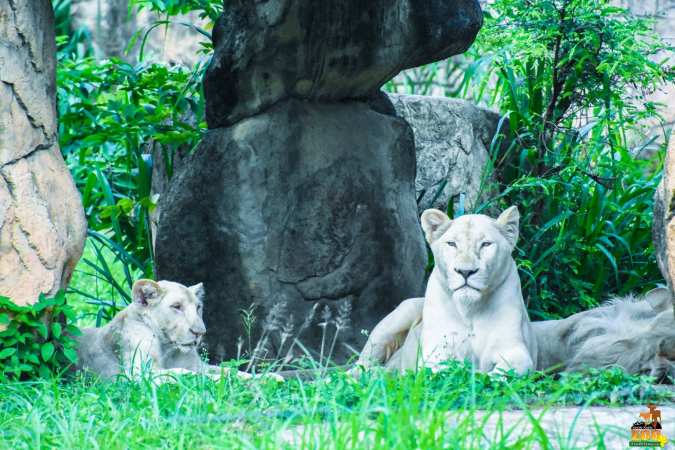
x=216, y=372
x=516, y=358
x=389, y=335
x=144, y=355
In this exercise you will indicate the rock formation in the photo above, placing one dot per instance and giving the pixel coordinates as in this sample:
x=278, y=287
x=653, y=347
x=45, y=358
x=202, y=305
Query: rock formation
x=663, y=229
x=453, y=140
x=306, y=202
x=302, y=192
x=42, y=222
x=266, y=52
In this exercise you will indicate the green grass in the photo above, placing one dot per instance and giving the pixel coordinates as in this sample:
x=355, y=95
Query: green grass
x=424, y=410
x=376, y=411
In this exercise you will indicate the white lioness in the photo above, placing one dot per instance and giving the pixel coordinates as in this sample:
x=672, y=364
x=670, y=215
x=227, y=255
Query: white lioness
x=160, y=329
x=636, y=334
x=473, y=308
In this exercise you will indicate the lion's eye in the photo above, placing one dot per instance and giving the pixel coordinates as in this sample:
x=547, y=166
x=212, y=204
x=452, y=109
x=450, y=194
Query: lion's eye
x=486, y=244
x=178, y=308
x=452, y=244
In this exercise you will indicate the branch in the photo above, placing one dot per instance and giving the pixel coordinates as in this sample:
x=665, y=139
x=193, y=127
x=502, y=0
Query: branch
x=598, y=178
x=557, y=83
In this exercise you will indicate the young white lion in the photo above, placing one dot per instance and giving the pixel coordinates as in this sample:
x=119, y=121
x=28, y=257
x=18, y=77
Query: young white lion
x=160, y=329
x=473, y=308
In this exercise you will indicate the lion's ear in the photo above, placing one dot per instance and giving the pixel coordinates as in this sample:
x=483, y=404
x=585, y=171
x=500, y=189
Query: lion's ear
x=198, y=291
x=659, y=299
x=434, y=224
x=146, y=292
x=507, y=223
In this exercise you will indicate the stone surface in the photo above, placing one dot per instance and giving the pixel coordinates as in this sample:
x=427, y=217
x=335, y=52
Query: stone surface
x=663, y=228
x=453, y=140
x=268, y=51
x=563, y=428
x=302, y=203
x=42, y=223
x=573, y=427
x=160, y=177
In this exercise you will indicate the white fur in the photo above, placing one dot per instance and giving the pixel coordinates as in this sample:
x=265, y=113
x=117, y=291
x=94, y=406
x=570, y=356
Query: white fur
x=478, y=315
x=633, y=333
x=160, y=330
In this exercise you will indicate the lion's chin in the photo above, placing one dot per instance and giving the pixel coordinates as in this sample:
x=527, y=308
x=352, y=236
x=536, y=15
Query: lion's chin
x=467, y=294
x=184, y=348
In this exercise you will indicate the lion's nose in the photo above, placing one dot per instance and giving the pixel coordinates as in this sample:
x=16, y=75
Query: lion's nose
x=466, y=273
x=198, y=333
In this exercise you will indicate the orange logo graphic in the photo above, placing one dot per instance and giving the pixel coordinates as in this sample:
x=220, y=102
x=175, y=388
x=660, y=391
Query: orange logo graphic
x=647, y=431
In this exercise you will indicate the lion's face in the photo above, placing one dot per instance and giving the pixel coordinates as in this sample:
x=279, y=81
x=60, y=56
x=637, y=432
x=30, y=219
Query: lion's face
x=172, y=311
x=657, y=347
x=472, y=253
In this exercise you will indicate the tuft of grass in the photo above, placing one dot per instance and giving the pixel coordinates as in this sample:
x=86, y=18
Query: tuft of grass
x=419, y=410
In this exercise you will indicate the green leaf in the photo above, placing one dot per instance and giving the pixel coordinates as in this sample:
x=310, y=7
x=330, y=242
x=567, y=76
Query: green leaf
x=37, y=307
x=71, y=354
x=42, y=329
x=56, y=330
x=7, y=352
x=47, y=351
x=73, y=330
x=44, y=371
x=60, y=298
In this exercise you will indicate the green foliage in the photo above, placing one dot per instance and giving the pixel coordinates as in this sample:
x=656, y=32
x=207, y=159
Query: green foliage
x=27, y=348
x=573, y=77
x=442, y=410
x=589, y=240
x=109, y=111
x=208, y=10
x=74, y=42
x=211, y=9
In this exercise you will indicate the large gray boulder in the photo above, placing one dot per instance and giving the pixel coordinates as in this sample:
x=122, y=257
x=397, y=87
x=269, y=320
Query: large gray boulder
x=268, y=51
x=303, y=203
x=42, y=222
x=454, y=142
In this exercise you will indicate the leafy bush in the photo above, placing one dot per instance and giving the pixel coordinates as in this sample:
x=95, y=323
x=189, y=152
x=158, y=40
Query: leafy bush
x=207, y=8
x=109, y=111
x=74, y=42
x=27, y=348
x=573, y=77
